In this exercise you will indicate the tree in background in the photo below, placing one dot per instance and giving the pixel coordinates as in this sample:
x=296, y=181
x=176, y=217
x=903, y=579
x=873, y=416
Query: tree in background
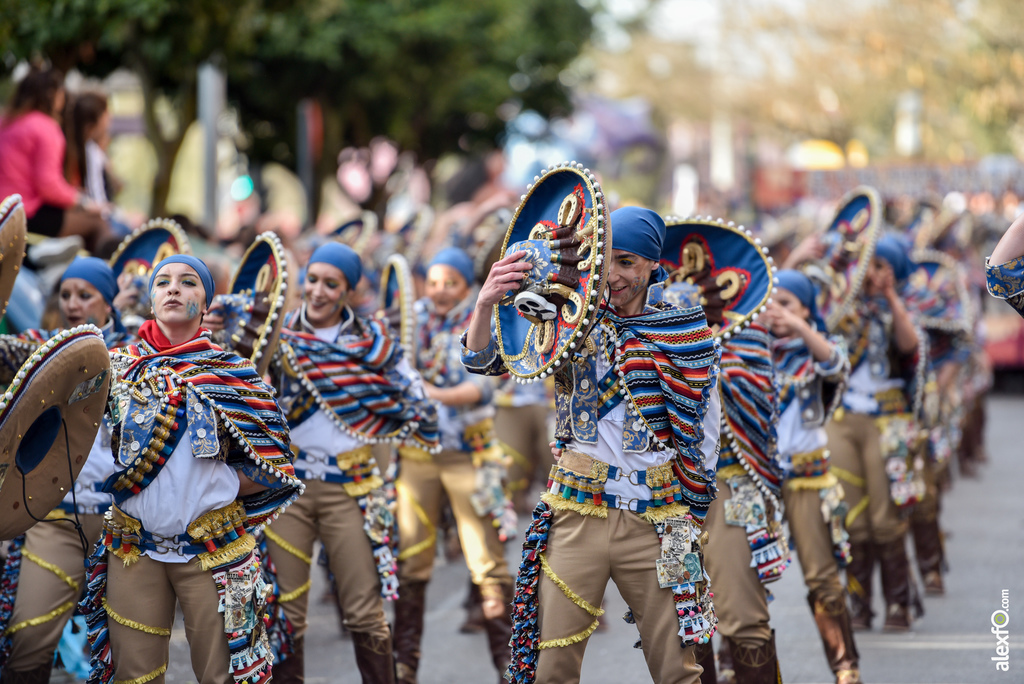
x=430, y=74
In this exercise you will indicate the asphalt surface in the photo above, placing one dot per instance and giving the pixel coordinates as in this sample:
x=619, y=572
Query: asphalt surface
x=952, y=644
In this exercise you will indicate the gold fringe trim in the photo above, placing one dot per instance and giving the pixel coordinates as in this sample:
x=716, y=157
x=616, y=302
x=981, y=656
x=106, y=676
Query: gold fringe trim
x=428, y=543
x=213, y=523
x=32, y=622
x=359, y=456
x=414, y=454
x=807, y=457
x=292, y=595
x=368, y=484
x=144, y=678
x=132, y=624
x=730, y=471
x=58, y=514
x=130, y=558
x=569, y=640
x=847, y=476
x=126, y=522
x=660, y=513
x=46, y=565
x=575, y=598
x=817, y=482
x=228, y=553
x=856, y=510
x=558, y=503
x=286, y=545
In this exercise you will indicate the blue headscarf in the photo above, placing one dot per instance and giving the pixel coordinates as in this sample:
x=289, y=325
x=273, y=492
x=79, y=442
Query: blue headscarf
x=642, y=232
x=97, y=273
x=803, y=289
x=457, y=259
x=201, y=270
x=895, y=251
x=343, y=258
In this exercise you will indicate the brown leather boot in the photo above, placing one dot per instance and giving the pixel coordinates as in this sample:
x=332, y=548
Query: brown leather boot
x=40, y=675
x=757, y=665
x=895, y=584
x=408, y=632
x=374, y=658
x=498, y=625
x=705, y=655
x=929, y=553
x=858, y=584
x=833, y=620
x=292, y=670
x=474, y=621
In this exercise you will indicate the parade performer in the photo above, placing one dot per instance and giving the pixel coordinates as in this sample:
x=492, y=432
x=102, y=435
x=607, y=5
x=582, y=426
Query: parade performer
x=722, y=268
x=811, y=369
x=874, y=437
x=636, y=433
x=201, y=463
x=469, y=471
x=45, y=569
x=345, y=386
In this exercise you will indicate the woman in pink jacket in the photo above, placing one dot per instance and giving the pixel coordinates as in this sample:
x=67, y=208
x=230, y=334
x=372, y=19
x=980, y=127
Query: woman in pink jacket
x=32, y=161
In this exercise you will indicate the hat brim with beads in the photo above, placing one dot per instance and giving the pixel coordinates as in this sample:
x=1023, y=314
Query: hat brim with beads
x=718, y=266
x=396, y=300
x=936, y=292
x=12, y=246
x=562, y=224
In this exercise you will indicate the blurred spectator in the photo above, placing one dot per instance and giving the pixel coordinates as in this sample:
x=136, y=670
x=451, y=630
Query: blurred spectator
x=32, y=149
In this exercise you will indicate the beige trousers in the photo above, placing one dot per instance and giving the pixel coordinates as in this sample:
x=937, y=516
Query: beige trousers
x=140, y=613
x=855, y=444
x=523, y=433
x=326, y=511
x=811, y=537
x=421, y=489
x=585, y=552
x=741, y=603
x=52, y=580
x=927, y=509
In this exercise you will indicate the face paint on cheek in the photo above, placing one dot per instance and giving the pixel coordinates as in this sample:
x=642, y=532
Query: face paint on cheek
x=192, y=309
x=635, y=286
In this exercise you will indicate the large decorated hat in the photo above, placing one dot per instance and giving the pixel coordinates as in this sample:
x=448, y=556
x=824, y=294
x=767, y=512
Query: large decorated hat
x=562, y=225
x=487, y=240
x=719, y=266
x=397, y=296
x=415, y=232
x=936, y=292
x=12, y=246
x=357, y=233
x=138, y=253
x=254, y=308
x=849, y=244
x=49, y=417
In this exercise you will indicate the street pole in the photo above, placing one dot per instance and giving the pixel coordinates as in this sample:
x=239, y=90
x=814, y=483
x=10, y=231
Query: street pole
x=212, y=94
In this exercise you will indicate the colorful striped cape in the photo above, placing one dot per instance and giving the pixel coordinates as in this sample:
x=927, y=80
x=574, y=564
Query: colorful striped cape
x=356, y=379
x=793, y=363
x=260, y=446
x=670, y=360
x=750, y=404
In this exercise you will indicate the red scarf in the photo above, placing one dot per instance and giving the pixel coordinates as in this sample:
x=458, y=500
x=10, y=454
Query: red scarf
x=154, y=336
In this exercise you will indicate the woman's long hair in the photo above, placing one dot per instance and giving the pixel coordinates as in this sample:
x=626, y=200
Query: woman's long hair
x=83, y=112
x=37, y=92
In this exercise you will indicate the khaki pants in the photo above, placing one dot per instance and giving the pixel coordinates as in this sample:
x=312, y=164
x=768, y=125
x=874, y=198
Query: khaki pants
x=927, y=509
x=811, y=537
x=856, y=448
x=326, y=511
x=585, y=552
x=140, y=602
x=523, y=433
x=741, y=603
x=421, y=486
x=48, y=592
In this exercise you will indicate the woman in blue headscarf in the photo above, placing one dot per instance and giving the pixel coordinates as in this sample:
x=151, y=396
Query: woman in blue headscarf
x=811, y=369
x=44, y=601
x=344, y=385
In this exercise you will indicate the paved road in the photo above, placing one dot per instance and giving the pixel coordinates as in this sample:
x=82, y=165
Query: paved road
x=952, y=644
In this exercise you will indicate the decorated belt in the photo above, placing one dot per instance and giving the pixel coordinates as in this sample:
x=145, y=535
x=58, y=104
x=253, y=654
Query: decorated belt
x=891, y=401
x=577, y=483
x=68, y=509
x=810, y=463
x=356, y=470
x=215, y=537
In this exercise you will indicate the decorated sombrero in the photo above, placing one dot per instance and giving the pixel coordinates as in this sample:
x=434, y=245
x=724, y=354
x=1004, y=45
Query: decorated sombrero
x=719, y=266
x=358, y=232
x=487, y=240
x=416, y=231
x=562, y=224
x=397, y=296
x=138, y=253
x=947, y=230
x=49, y=417
x=12, y=246
x=849, y=247
x=254, y=308
x=936, y=292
